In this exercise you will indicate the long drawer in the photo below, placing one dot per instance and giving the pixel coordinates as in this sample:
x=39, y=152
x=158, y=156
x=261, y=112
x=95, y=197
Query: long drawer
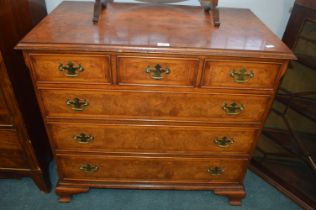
x=152, y=139
x=155, y=105
x=150, y=169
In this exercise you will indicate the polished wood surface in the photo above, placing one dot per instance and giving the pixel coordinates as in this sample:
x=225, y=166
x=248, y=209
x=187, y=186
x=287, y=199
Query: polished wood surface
x=218, y=73
x=12, y=154
x=162, y=106
x=153, y=169
x=165, y=117
x=5, y=115
x=96, y=68
x=120, y=138
x=10, y=140
x=24, y=149
x=131, y=71
x=119, y=29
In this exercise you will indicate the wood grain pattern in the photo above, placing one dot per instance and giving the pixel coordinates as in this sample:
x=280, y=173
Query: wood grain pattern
x=181, y=140
x=155, y=105
x=96, y=68
x=131, y=71
x=217, y=73
x=119, y=30
x=13, y=160
x=5, y=116
x=12, y=154
x=9, y=140
x=147, y=169
x=154, y=133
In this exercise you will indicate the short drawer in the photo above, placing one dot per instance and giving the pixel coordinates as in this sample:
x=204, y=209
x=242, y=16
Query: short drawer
x=152, y=139
x=157, y=71
x=71, y=68
x=11, y=152
x=240, y=74
x=155, y=105
x=142, y=168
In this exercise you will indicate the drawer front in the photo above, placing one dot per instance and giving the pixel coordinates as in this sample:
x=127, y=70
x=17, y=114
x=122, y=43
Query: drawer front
x=157, y=71
x=155, y=105
x=71, y=68
x=11, y=152
x=13, y=159
x=241, y=75
x=152, y=139
x=166, y=169
x=5, y=117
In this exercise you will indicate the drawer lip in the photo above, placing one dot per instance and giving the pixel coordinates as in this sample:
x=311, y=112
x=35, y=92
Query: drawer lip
x=34, y=47
x=154, y=185
x=154, y=139
x=94, y=118
x=171, y=83
x=142, y=156
x=7, y=127
x=105, y=78
x=198, y=154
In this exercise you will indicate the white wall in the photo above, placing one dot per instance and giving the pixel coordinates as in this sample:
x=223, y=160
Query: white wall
x=274, y=13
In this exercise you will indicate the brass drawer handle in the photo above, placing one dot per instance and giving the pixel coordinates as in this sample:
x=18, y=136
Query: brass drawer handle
x=156, y=73
x=70, y=70
x=77, y=104
x=215, y=171
x=83, y=138
x=223, y=142
x=233, y=109
x=89, y=168
x=242, y=76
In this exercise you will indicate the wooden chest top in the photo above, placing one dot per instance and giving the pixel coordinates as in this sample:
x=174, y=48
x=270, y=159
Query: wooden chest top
x=142, y=28
x=124, y=112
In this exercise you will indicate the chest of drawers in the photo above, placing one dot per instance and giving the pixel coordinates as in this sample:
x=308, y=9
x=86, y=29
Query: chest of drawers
x=123, y=112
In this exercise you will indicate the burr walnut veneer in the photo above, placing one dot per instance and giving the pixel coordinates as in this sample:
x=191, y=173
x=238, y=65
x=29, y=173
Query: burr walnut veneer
x=153, y=97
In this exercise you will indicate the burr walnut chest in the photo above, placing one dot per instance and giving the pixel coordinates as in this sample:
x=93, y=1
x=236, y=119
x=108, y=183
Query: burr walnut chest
x=153, y=97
